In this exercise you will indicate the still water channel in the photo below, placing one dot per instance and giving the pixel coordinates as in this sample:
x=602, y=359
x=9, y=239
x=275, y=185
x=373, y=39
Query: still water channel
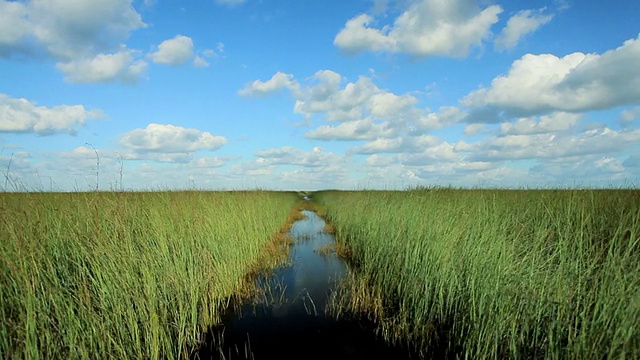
x=290, y=321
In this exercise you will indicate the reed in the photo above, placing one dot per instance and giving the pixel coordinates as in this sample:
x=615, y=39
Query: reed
x=494, y=273
x=127, y=275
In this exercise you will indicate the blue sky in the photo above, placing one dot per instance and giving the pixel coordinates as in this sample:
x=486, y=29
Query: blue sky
x=293, y=94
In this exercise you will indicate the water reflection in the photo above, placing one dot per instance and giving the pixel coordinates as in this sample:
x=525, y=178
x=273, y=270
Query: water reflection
x=291, y=314
x=302, y=288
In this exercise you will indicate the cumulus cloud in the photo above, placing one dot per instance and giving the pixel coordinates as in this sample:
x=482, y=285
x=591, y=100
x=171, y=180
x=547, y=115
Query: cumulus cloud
x=277, y=82
x=288, y=155
x=22, y=116
x=404, y=144
x=582, y=171
x=253, y=168
x=554, y=122
x=168, y=143
x=519, y=25
x=550, y=145
x=81, y=35
x=426, y=28
x=14, y=26
x=324, y=95
x=199, y=61
x=474, y=129
x=376, y=160
x=357, y=100
x=351, y=130
x=208, y=162
x=445, y=116
x=538, y=84
x=175, y=51
x=362, y=109
x=120, y=66
x=66, y=29
x=443, y=152
x=357, y=36
x=630, y=115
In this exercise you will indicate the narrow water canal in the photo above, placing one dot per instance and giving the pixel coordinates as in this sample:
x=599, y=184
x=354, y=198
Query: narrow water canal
x=290, y=321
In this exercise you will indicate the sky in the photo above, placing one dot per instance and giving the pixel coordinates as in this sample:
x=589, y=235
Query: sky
x=318, y=94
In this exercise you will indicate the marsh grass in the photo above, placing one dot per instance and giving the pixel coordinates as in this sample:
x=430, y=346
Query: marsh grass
x=495, y=273
x=326, y=249
x=128, y=275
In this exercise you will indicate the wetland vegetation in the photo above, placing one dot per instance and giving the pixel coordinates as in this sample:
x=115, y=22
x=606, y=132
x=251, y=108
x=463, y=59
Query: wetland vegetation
x=495, y=273
x=127, y=275
x=447, y=272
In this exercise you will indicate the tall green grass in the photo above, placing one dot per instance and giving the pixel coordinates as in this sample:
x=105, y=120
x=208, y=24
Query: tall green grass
x=125, y=275
x=495, y=273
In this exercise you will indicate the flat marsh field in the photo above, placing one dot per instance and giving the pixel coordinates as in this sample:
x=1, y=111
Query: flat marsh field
x=455, y=273
x=127, y=275
x=496, y=273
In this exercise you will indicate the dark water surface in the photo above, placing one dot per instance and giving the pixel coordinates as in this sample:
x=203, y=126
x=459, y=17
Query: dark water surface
x=290, y=321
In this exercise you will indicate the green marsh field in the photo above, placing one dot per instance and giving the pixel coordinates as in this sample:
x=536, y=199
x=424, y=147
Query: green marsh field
x=457, y=273
x=126, y=275
x=495, y=273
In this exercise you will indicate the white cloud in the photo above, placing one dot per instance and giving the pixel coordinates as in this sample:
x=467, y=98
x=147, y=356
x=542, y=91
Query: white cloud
x=265, y=174
x=630, y=115
x=376, y=160
x=254, y=168
x=554, y=122
x=550, y=145
x=426, y=28
x=120, y=66
x=354, y=102
x=443, y=152
x=14, y=25
x=446, y=115
x=168, y=143
x=277, y=82
x=357, y=36
x=404, y=144
x=66, y=29
x=351, y=130
x=162, y=157
x=175, y=51
x=464, y=173
x=210, y=53
x=519, y=25
x=81, y=153
x=22, y=115
x=577, y=82
x=199, y=61
x=360, y=102
x=474, y=129
x=386, y=104
x=288, y=155
x=325, y=85
x=363, y=110
x=208, y=162
x=76, y=170
x=339, y=104
x=585, y=171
